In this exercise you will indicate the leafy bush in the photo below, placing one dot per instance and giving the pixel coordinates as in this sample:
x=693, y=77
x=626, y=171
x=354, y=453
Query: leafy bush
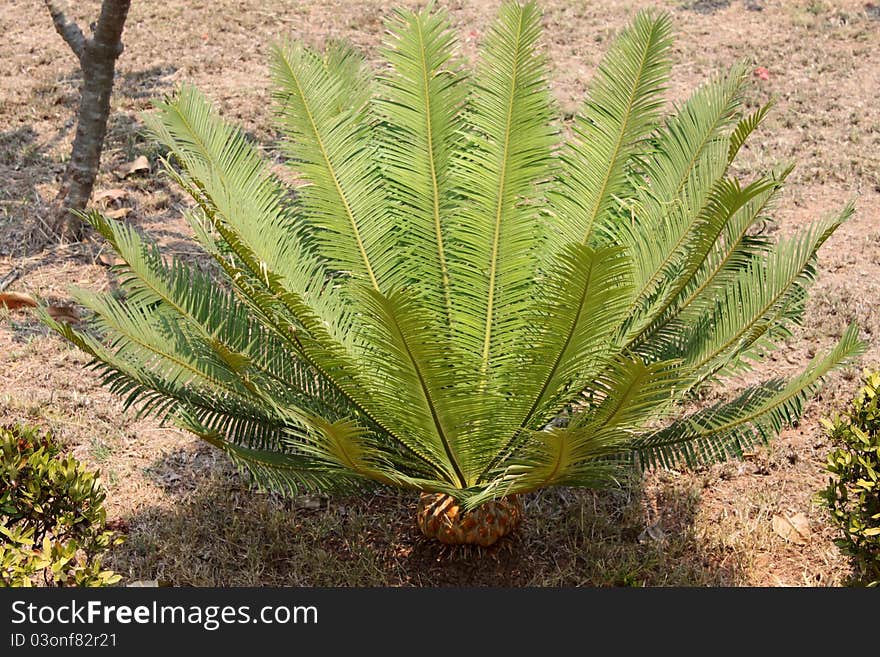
x=853, y=492
x=453, y=274
x=53, y=519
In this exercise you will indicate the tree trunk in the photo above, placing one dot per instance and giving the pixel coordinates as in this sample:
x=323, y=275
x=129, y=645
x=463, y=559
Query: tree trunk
x=97, y=57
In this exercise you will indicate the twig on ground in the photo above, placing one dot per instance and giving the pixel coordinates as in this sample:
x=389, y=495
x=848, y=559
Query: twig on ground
x=10, y=278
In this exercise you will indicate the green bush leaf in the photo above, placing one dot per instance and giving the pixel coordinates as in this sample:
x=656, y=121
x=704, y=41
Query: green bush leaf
x=52, y=519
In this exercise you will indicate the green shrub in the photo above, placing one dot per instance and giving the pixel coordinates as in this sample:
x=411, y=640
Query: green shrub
x=853, y=492
x=53, y=518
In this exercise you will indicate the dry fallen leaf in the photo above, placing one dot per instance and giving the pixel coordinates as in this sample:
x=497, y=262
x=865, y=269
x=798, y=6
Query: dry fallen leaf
x=110, y=259
x=17, y=300
x=14, y=300
x=109, y=195
x=139, y=165
x=120, y=213
x=63, y=313
x=794, y=529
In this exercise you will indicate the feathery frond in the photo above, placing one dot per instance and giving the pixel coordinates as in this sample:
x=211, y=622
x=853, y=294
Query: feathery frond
x=421, y=102
x=508, y=155
x=621, y=110
x=757, y=414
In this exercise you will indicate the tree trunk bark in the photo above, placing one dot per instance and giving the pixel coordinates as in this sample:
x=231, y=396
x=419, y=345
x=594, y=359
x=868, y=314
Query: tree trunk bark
x=97, y=57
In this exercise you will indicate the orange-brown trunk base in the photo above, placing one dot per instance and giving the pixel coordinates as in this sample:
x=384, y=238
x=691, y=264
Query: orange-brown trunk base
x=441, y=517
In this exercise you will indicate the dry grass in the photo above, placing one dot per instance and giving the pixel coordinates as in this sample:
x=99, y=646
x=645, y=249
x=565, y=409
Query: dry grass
x=189, y=520
x=218, y=532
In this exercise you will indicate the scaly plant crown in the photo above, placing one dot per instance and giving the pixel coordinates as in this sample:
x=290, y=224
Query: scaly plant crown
x=454, y=297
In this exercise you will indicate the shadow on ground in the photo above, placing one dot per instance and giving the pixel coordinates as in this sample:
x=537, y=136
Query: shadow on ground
x=212, y=530
x=32, y=162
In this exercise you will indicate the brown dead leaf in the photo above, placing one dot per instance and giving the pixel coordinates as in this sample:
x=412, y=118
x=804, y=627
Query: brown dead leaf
x=139, y=165
x=14, y=300
x=107, y=195
x=794, y=529
x=17, y=300
x=63, y=314
x=110, y=259
x=120, y=213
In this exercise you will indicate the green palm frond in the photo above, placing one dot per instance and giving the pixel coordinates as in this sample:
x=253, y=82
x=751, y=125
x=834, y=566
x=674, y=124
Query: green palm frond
x=724, y=204
x=757, y=414
x=421, y=104
x=759, y=305
x=508, y=155
x=219, y=322
x=409, y=379
x=572, y=339
x=578, y=456
x=681, y=172
x=323, y=108
x=586, y=295
x=621, y=109
x=161, y=383
x=739, y=245
x=277, y=469
x=745, y=127
x=245, y=203
x=455, y=297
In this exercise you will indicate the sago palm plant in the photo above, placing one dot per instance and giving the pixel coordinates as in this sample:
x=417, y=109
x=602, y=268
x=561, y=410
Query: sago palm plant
x=460, y=295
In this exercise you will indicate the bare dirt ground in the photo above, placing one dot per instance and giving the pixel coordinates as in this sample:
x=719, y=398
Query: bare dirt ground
x=190, y=521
